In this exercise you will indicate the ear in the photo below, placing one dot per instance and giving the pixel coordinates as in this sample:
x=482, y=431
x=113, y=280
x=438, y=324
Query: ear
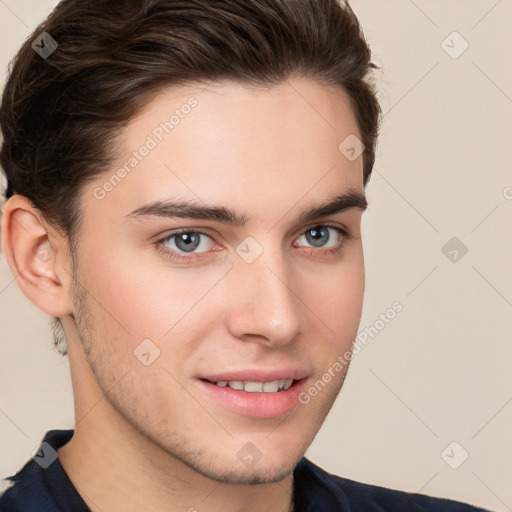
x=38, y=257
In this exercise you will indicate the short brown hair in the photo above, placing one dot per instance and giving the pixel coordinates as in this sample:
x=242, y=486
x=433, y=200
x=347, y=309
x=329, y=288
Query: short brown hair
x=59, y=115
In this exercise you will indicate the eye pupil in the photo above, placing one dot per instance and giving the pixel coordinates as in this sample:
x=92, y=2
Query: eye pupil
x=191, y=241
x=317, y=236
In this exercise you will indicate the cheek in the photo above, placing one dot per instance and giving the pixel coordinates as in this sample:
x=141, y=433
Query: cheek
x=339, y=297
x=143, y=297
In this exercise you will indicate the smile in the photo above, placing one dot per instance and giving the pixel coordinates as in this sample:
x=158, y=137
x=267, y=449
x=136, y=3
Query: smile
x=254, y=398
x=257, y=387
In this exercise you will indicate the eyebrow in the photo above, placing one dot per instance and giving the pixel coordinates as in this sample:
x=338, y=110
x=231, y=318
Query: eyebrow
x=193, y=210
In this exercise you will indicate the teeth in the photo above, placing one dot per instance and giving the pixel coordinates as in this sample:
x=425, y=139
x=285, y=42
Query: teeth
x=257, y=387
x=252, y=387
x=271, y=387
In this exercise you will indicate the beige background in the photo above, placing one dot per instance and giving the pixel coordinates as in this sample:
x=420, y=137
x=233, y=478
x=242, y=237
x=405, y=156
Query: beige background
x=439, y=372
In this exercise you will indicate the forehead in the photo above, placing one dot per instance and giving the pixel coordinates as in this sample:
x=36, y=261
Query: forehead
x=234, y=145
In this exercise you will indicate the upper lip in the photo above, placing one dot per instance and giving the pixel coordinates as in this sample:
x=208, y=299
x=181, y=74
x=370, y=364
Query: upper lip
x=257, y=375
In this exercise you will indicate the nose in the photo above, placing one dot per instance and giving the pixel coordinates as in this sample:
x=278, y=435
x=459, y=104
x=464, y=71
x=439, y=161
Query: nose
x=264, y=307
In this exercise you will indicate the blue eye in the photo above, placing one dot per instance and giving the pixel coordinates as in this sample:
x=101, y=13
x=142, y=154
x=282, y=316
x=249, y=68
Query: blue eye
x=318, y=236
x=187, y=241
x=184, y=244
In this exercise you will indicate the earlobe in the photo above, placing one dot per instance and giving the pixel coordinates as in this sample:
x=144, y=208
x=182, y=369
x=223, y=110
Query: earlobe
x=34, y=258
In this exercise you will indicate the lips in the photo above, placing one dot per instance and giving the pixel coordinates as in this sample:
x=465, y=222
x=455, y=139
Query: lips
x=254, y=392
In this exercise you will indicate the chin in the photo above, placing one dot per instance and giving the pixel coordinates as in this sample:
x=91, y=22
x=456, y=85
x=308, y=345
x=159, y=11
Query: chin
x=259, y=474
x=264, y=468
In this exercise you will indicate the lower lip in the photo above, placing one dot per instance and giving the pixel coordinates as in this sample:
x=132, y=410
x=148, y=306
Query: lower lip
x=256, y=405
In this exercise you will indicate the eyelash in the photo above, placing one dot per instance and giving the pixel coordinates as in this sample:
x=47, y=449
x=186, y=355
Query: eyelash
x=171, y=253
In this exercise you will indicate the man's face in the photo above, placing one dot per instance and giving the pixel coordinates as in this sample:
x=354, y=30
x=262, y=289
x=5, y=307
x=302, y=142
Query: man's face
x=165, y=324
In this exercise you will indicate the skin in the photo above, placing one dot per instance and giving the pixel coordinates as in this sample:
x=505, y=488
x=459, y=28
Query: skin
x=148, y=437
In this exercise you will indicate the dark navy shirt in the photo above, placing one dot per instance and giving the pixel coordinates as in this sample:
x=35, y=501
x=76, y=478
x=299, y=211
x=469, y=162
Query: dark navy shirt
x=42, y=485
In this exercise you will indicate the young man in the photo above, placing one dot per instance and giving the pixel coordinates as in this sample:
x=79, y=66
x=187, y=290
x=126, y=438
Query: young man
x=186, y=185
